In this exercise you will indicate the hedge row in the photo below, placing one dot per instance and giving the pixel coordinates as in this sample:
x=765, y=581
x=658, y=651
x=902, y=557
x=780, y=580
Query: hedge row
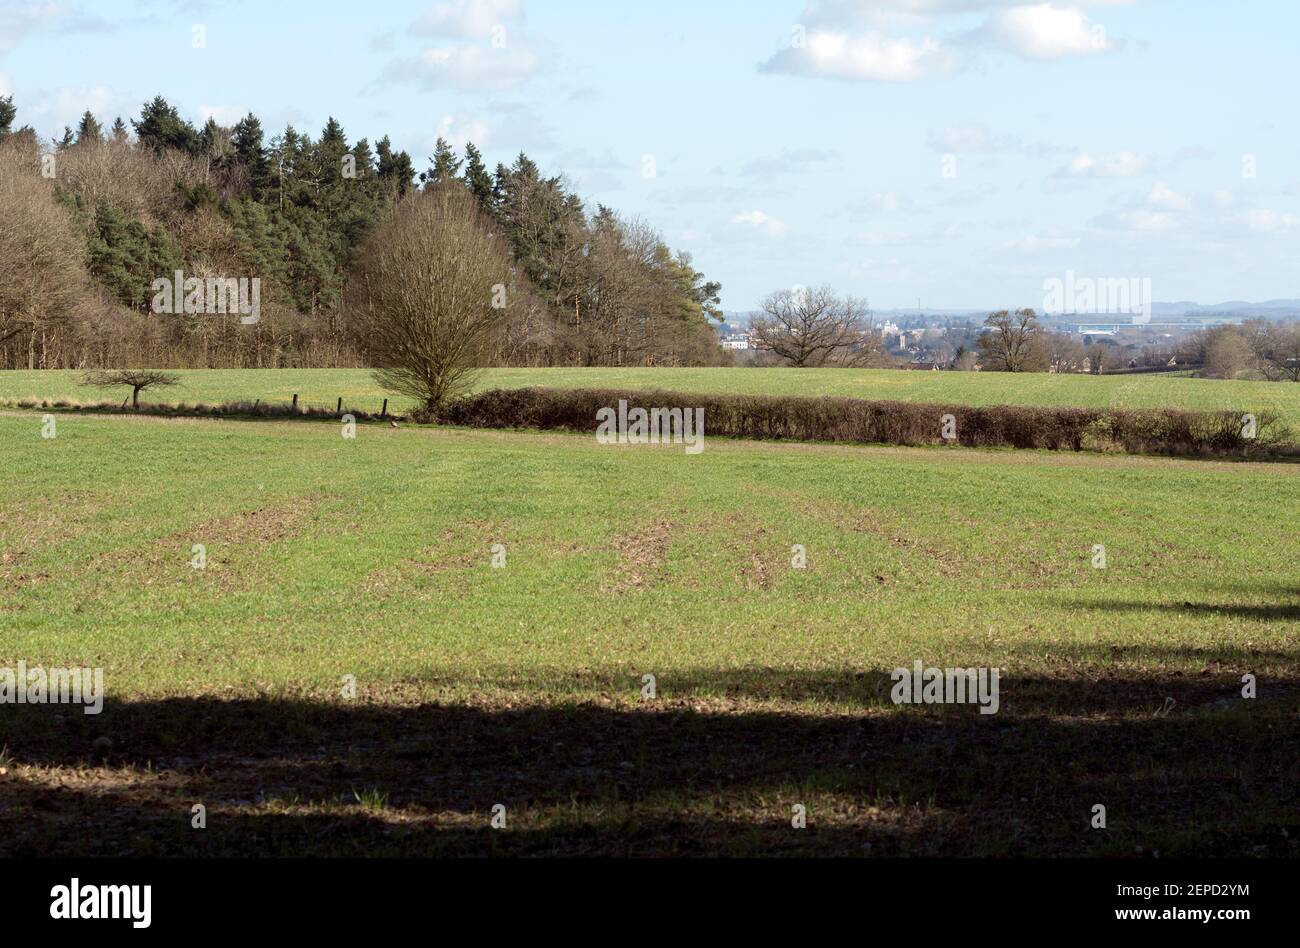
x=758, y=417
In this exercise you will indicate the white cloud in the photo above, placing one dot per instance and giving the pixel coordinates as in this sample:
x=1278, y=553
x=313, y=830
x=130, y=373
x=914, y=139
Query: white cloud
x=1270, y=222
x=460, y=130
x=223, y=114
x=1224, y=198
x=1165, y=198
x=1145, y=220
x=467, y=19
x=1044, y=31
x=884, y=201
x=1124, y=164
x=1034, y=243
x=761, y=221
x=465, y=67
x=866, y=56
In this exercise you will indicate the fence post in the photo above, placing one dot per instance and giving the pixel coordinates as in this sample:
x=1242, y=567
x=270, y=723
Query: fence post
x=384, y=413
x=339, y=410
x=295, y=404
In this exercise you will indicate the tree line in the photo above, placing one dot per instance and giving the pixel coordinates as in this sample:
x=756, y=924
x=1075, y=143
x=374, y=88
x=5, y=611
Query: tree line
x=94, y=218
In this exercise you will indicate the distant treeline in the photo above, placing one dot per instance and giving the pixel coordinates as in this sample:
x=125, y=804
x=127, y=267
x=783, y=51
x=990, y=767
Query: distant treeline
x=92, y=220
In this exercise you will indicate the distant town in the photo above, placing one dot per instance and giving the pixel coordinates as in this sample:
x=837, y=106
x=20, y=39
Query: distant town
x=1173, y=339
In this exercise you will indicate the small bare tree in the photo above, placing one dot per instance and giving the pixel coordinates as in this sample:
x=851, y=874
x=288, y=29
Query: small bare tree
x=430, y=295
x=810, y=328
x=138, y=379
x=1280, y=358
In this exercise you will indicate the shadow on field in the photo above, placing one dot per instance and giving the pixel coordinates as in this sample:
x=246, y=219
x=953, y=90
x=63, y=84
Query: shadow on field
x=279, y=777
x=1271, y=612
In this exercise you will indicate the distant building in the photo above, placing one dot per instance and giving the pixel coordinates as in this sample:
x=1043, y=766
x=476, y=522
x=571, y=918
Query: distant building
x=737, y=341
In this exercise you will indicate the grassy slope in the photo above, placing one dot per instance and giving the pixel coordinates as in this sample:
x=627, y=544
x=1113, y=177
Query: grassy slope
x=323, y=387
x=371, y=558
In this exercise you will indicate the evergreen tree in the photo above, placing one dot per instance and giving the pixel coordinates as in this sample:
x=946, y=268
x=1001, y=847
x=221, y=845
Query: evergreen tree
x=251, y=157
x=67, y=140
x=446, y=166
x=119, y=130
x=89, y=131
x=477, y=178
x=396, y=169
x=127, y=257
x=161, y=127
x=8, y=112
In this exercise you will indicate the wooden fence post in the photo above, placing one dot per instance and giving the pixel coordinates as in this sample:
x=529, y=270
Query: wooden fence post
x=339, y=410
x=384, y=414
x=295, y=404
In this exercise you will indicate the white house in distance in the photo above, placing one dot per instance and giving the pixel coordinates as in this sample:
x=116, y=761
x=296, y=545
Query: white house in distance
x=737, y=341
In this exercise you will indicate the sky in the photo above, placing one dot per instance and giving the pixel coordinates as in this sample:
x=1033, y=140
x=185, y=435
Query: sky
x=947, y=154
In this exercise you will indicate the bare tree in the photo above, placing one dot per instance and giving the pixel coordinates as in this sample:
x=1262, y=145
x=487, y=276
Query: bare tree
x=809, y=328
x=1280, y=355
x=430, y=294
x=1010, y=343
x=43, y=280
x=138, y=379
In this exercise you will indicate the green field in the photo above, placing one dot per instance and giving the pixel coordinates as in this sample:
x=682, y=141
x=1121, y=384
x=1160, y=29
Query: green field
x=323, y=387
x=522, y=685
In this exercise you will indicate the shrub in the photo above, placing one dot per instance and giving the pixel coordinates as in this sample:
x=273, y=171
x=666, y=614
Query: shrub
x=1148, y=431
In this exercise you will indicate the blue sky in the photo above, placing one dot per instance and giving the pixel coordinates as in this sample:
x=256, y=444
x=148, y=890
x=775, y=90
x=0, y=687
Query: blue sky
x=956, y=152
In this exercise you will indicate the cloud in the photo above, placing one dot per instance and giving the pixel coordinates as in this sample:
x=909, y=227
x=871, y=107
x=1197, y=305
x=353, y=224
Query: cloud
x=1034, y=243
x=1164, y=198
x=19, y=20
x=1124, y=164
x=467, y=19
x=1044, y=31
x=790, y=161
x=908, y=40
x=464, y=67
x=226, y=115
x=460, y=130
x=762, y=222
x=868, y=56
x=1270, y=222
x=5, y=87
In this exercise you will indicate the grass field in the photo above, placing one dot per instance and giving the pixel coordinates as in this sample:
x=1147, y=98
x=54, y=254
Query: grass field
x=323, y=387
x=522, y=686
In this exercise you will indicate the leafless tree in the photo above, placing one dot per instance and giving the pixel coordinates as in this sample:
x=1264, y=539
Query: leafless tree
x=1010, y=342
x=430, y=295
x=810, y=328
x=1280, y=355
x=138, y=379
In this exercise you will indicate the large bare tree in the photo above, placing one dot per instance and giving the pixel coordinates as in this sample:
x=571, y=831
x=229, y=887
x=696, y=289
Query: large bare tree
x=1010, y=342
x=815, y=327
x=430, y=294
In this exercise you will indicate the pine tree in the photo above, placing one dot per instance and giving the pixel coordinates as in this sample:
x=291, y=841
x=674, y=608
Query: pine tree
x=89, y=131
x=8, y=112
x=446, y=166
x=477, y=178
x=161, y=127
x=67, y=140
x=119, y=130
x=395, y=168
x=251, y=157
